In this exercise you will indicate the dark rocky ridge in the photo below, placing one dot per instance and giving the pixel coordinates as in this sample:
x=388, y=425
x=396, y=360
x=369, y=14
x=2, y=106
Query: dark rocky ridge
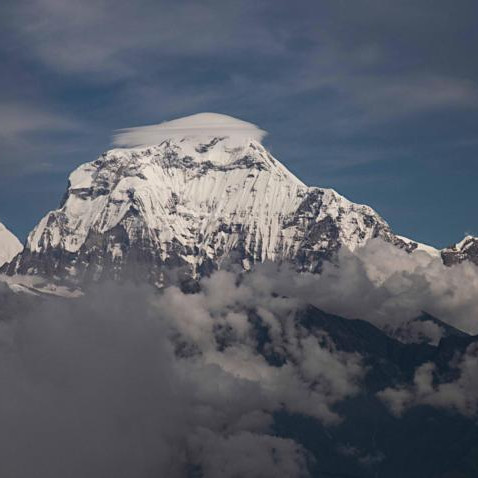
x=466, y=250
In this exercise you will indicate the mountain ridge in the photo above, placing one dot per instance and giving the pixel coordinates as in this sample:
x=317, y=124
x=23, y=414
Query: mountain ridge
x=466, y=249
x=208, y=194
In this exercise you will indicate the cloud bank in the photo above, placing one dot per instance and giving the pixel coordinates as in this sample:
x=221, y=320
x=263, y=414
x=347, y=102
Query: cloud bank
x=126, y=382
x=387, y=287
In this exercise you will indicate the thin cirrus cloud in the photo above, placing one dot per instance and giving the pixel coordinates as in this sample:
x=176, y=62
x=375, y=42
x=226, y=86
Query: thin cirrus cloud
x=404, y=95
x=101, y=38
x=110, y=42
x=19, y=120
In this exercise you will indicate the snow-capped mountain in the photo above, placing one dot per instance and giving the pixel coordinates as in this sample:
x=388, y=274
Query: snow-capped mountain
x=188, y=196
x=467, y=249
x=10, y=246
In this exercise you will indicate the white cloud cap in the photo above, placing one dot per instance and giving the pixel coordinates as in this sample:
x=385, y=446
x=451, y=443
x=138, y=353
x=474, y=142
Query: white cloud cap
x=196, y=126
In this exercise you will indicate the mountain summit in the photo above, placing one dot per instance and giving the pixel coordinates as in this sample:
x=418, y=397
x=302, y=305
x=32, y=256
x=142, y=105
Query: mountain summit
x=191, y=194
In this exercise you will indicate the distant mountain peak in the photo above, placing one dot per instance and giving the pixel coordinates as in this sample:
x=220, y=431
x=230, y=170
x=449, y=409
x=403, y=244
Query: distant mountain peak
x=10, y=246
x=465, y=250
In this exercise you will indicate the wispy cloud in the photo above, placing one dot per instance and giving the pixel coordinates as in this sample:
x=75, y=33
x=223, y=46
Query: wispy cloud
x=391, y=98
x=19, y=120
x=103, y=38
x=428, y=388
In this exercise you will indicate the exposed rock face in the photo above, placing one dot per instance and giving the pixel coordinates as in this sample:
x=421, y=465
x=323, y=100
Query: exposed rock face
x=10, y=246
x=466, y=250
x=188, y=205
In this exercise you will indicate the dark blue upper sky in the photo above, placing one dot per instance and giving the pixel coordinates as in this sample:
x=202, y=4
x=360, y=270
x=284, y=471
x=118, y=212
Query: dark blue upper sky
x=375, y=98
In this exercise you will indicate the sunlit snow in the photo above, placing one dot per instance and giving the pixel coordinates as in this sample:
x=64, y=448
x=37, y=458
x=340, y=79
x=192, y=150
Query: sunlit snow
x=10, y=246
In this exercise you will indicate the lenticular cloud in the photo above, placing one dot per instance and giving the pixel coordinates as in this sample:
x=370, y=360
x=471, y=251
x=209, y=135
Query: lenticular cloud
x=198, y=125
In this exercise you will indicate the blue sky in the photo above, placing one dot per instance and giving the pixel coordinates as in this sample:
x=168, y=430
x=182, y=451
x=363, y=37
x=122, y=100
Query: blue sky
x=375, y=98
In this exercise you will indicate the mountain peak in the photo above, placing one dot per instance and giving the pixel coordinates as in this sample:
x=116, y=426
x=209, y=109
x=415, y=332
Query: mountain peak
x=10, y=246
x=466, y=249
x=200, y=125
x=206, y=193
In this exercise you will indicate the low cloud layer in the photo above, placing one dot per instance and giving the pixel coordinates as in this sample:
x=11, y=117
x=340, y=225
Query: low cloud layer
x=87, y=390
x=386, y=286
x=126, y=382
x=312, y=375
x=460, y=394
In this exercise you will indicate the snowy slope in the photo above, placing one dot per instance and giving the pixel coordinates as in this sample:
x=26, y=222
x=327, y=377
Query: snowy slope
x=417, y=246
x=10, y=246
x=208, y=192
